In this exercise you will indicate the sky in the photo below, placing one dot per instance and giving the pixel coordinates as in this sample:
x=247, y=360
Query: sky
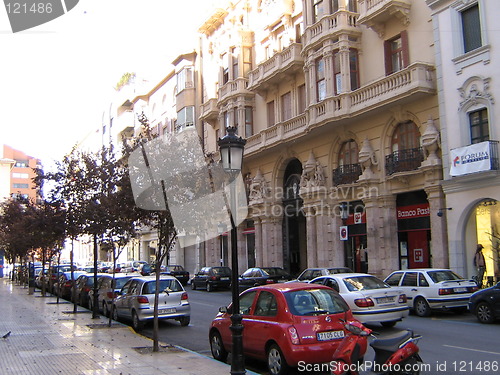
x=56, y=79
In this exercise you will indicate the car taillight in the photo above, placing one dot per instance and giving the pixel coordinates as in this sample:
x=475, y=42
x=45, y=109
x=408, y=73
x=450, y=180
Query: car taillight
x=213, y=278
x=112, y=295
x=364, y=302
x=67, y=284
x=473, y=289
x=294, y=336
x=142, y=299
x=184, y=296
x=445, y=291
x=269, y=281
x=402, y=298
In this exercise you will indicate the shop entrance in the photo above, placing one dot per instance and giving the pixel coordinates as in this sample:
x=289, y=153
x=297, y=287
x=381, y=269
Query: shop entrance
x=356, y=252
x=414, y=234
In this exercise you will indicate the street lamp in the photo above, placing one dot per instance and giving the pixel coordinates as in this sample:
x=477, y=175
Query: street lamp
x=231, y=151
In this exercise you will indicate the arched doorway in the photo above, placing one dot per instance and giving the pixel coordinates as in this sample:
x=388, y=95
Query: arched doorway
x=483, y=226
x=294, y=222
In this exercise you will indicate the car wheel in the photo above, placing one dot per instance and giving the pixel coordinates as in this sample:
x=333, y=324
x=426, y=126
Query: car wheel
x=217, y=347
x=136, y=323
x=210, y=287
x=193, y=285
x=422, y=307
x=484, y=313
x=388, y=324
x=185, y=320
x=276, y=362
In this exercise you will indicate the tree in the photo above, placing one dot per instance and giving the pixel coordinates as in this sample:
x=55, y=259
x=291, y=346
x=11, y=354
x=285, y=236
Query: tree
x=159, y=220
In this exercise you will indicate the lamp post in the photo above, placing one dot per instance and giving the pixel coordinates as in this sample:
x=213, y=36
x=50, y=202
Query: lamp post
x=231, y=150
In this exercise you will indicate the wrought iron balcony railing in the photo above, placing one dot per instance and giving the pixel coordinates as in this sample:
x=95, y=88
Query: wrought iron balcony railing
x=346, y=174
x=404, y=160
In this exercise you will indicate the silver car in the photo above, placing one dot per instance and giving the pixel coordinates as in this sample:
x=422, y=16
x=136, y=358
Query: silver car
x=135, y=301
x=107, y=290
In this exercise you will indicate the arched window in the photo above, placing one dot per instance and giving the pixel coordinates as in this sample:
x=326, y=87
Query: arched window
x=406, y=151
x=349, y=169
x=348, y=153
x=406, y=136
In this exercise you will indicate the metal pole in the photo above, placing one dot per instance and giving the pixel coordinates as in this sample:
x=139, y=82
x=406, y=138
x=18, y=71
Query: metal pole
x=237, y=359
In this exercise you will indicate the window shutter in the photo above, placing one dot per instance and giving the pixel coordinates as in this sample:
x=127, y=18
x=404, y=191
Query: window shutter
x=406, y=50
x=387, y=57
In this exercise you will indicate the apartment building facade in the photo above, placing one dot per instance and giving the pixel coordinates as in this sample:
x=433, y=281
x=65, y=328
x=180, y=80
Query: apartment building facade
x=17, y=173
x=338, y=103
x=341, y=105
x=465, y=37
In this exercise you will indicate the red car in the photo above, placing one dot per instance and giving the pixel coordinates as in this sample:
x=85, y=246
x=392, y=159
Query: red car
x=287, y=325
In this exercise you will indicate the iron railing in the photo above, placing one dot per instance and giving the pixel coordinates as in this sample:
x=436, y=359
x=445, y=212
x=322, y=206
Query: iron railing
x=346, y=174
x=404, y=160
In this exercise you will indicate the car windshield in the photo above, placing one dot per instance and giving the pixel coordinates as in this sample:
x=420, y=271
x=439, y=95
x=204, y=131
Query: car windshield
x=221, y=271
x=364, y=283
x=315, y=302
x=443, y=275
x=274, y=271
x=166, y=286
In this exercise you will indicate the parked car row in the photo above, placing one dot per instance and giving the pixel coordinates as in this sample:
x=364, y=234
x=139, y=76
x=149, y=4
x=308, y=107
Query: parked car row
x=293, y=322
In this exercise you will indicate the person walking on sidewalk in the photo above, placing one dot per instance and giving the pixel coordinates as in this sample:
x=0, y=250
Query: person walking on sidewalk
x=480, y=264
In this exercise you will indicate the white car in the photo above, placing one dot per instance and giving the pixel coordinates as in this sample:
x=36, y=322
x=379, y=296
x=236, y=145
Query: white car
x=433, y=288
x=370, y=299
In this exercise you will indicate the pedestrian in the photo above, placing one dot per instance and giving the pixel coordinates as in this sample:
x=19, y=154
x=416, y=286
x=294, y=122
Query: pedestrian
x=480, y=264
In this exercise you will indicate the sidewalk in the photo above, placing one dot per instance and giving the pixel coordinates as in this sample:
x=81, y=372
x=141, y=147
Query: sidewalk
x=47, y=338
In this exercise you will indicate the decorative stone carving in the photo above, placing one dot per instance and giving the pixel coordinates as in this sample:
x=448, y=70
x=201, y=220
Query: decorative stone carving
x=367, y=158
x=475, y=90
x=259, y=188
x=431, y=143
x=312, y=173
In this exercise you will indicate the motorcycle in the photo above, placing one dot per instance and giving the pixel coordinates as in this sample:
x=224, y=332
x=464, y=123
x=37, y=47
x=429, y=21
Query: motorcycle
x=395, y=354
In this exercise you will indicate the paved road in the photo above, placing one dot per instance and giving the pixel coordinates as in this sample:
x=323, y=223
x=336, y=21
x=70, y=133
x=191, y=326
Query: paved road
x=451, y=344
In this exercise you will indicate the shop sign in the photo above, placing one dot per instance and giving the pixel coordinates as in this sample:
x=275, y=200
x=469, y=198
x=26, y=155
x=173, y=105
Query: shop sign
x=413, y=211
x=470, y=159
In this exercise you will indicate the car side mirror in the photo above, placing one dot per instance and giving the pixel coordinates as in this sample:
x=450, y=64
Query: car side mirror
x=226, y=310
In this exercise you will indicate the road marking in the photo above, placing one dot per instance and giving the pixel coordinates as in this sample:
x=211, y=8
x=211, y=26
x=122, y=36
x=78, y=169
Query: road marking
x=472, y=350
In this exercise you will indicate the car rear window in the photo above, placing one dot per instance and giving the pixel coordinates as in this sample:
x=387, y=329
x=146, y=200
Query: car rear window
x=221, y=271
x=120, y=282
x=164, y=286
x=315, y=302
x=443, y=275
x=275, y=271
x=364, y=283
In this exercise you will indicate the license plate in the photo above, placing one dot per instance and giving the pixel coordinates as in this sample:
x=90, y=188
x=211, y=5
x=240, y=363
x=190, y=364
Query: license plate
x=329, y=335
x=224, y=278
x=166, y=311
x=385, y=299
x=460, y=290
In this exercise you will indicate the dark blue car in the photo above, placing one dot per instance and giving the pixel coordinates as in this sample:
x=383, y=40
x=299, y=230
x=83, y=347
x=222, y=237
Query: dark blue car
x=485, y=304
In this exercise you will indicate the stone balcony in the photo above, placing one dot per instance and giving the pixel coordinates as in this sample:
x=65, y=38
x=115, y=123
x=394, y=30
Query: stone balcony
x=237, y=87
x=415, y=81
x=209, y=111
x=282, y=65
x=375, y=13
x=341, y=22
